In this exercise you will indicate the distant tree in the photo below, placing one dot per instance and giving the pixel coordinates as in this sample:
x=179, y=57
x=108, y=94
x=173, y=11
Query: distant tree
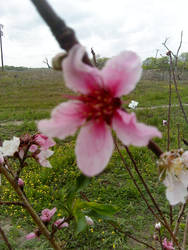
x=161, y=63
x=184, y=57
x=46, y=62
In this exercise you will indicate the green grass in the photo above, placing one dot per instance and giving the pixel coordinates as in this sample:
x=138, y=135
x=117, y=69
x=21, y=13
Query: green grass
x=29, y=96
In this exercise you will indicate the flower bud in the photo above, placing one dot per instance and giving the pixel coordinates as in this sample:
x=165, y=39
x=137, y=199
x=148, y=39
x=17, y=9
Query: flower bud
x=157, y=226
x=57, y=61
x=21, y=183
x=89, y=220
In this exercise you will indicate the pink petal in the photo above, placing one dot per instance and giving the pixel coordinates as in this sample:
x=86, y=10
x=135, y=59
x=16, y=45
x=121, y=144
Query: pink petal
x=30, y=236
x=44, y=141
x=78, y=75
x=52, y=211
x=33, y=148
x=94, y=148
x=121, y=73
x=65, y=120
x=130, y=131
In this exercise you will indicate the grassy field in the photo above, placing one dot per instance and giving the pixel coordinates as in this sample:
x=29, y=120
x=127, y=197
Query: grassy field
x=29, y=96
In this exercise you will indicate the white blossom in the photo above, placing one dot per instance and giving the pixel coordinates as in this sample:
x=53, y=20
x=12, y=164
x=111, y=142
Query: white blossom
x=165, y=122
x=173, y=167
x=43, y=156
x=157, y=226
x=9, y=147
x=89, y=220
x=133, y=104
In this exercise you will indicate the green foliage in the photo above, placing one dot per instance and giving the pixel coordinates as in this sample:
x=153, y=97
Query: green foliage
x=161, y=63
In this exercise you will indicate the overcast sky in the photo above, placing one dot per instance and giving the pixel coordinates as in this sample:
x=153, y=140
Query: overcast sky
x=109, y=26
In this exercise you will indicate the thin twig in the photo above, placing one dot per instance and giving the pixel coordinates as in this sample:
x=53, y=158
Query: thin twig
x=16, y=203
x=178, y=128
x=134, y=180
x=178, y=50
x=152, y=198
x=22, y=162
x=177, y=91
x=169, y=111
x=5, y=239
x=130, y=236
x=181, y=212
x=160, y=239
x=185, y=234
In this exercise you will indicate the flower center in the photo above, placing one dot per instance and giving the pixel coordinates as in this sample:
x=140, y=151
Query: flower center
x=101, y=105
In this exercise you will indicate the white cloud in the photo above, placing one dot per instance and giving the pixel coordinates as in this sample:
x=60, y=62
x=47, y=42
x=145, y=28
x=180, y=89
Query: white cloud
x=107, y=26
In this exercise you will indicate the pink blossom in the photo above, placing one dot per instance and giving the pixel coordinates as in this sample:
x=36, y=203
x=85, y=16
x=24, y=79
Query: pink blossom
x=31, y=236
x=47, y=214
x=59, y=223
x=21, y=183
x=1, y=158
x=33, y=148
x=98, y=108
x=43, y=141
x=21, y=153
x=168, y=245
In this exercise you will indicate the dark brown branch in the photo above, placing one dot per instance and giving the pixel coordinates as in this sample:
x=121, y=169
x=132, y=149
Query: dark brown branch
x=17, y=203
x=155, y=148
x=5, y=239
x=64, y=35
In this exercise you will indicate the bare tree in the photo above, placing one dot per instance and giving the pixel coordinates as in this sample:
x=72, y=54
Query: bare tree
x=94, y=57
x=47, y=63
x=174, y=71
x=1, y=34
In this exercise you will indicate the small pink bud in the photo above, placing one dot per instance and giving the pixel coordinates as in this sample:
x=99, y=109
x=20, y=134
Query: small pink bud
x=30, y=236
x=21, y=154
x=21, y=183
x=59, y=223
x=155, y=237
x=33, y=148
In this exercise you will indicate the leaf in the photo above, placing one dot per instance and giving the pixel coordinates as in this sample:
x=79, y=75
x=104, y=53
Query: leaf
x=81, y=182
x=102, y=209
x=79, y=216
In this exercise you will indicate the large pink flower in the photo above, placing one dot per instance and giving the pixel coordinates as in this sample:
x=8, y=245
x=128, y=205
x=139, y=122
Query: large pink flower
x=98, y=109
